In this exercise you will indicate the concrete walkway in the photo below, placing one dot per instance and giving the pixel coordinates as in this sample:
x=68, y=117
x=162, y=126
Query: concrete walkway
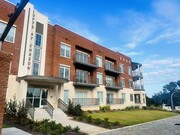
x=86, y=128
x=13, y=131
x=168, y=126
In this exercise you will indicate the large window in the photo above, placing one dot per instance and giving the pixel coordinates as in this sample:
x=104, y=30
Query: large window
x=11, y=35
x=100, y=78
x=36, y=69
x=122, y=68
x=124, y=97
x=65, y=50
x=81, y=76
x=82, y=57
x=131, y=97
x=110, y=81
x=38, y=39
x=129, y=71
x=37, y=54
x=109, y=65
x=64, y=72
x=100, y=97
x=99, y=61
x=122, y=82
x=130, y=83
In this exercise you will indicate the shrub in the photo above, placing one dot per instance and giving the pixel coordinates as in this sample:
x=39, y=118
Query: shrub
x=74, y=110
x=104, y=108
x=21, y=112
x=89, y=119
x=97, y=121
x=136, y=107
x=106, y=122
x=116, y=123
x=11, y=107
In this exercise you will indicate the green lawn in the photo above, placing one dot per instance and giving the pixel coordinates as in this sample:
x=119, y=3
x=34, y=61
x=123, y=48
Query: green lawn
x=133, y=117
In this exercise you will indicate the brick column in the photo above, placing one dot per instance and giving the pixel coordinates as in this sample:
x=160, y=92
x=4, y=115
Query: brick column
x=5, y=59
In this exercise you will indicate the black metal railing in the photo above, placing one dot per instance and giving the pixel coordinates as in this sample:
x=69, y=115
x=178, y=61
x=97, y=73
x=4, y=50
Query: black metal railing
x=84, y=59
x=138, y=87
x=136, y=74
x=82, y=79
x=86, y=101
x=30, y=108
x=62, y=105
x=113, y=84
x=49, y=108
x=111, y=67
x=115, y=101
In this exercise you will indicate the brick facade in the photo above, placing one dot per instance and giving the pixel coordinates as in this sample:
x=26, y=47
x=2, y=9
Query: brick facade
x=58, y=34
x=5, y=59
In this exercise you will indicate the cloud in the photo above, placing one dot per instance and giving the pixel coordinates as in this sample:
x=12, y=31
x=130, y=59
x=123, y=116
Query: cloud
x=75, y=26
x=126, y=52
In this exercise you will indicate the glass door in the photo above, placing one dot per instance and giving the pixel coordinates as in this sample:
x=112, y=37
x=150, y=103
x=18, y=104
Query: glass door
x=36, y=96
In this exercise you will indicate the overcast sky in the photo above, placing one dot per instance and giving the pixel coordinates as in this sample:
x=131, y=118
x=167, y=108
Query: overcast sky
x=146, y=30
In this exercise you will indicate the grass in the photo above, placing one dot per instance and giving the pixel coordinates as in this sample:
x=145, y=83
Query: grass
x=6, y=126
x=127, y=118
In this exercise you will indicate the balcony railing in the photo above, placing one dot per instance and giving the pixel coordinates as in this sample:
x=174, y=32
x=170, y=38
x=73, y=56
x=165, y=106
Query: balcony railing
x=111, y=69
x=114, y=101
x=136, y=73
x=85, y=81
x=138, y=87
x=85, y=62
x=86, y=101
x=62, y=105
x=113, y=85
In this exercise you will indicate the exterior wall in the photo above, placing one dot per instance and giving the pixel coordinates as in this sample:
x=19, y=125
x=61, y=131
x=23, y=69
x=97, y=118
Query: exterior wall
x=5, y=59
x=14, y=48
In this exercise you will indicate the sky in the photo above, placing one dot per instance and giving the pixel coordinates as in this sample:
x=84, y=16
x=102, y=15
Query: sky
x=148, y=31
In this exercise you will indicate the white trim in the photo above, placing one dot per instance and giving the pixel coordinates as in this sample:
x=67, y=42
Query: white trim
x=62, y=43
x=99, y=56
x=109, y=61
x=66, y=44
x=83, y=52
x=64, y=65
x=7, y=23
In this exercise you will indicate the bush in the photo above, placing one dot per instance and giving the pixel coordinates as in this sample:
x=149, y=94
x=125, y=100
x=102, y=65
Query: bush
x=104, y=108
x=106, y=122
x=116, y=123
x=97, y=121
x=21, y=112
x=89, y=119
x=11, y=107
x=74, y=110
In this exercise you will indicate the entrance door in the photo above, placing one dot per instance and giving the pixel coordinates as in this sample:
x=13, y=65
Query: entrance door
x=36, y=96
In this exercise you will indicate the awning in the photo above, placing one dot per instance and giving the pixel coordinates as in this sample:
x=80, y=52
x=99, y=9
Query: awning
x=43, y=80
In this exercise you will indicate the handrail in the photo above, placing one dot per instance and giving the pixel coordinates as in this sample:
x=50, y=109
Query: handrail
x=86, y=101
x=62, y=105
x=114, y=101
x=49, y=108
x=30, y=108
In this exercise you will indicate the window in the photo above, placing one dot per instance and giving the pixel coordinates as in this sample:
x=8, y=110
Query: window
x=100, y=97
x=38, y=39
x=129, y=71
x=110, y=81
x=137, y=98
x=122, y=82
x=82, y=57
x=130, y=83
x=100, y=78
x=11, y=35
x=81, y=98
x=65, y=72
x=124, y=97
x=65, y=50
x=35, y=68
x=122, y=68
x=37, y=54
x=66, y=96
x=131, y=97
x=81, y=76
x=99, y=61
x=109, y=65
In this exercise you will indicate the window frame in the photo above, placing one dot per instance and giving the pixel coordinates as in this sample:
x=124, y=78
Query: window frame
x=14, y=33
x=99, y=64
x=122, y=71
x=65, y=52
x=64, y=70
x=129, y=70
x=98, y=73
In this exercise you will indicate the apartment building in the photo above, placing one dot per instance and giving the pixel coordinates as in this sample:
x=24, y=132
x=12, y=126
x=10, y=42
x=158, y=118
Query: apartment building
x=52, y=65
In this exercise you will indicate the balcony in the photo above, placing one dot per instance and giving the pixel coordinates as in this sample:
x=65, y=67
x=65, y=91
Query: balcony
x=80, y=81
x=84, y=62
x=86, y=101
x=112, y=70
x=113, y=101
x=111, y=85
x=137, y=75
x=138, y=87
x=135, y=65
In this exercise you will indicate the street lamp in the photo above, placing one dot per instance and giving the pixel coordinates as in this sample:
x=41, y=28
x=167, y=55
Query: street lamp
x=176, y=90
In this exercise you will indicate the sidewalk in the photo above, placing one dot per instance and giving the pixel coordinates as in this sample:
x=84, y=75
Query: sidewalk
x=13, y=131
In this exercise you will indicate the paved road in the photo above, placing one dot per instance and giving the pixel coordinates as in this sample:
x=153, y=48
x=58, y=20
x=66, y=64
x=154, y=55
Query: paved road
x=160, y=127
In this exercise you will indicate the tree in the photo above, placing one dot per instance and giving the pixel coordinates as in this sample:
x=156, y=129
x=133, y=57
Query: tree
x=165, y=95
